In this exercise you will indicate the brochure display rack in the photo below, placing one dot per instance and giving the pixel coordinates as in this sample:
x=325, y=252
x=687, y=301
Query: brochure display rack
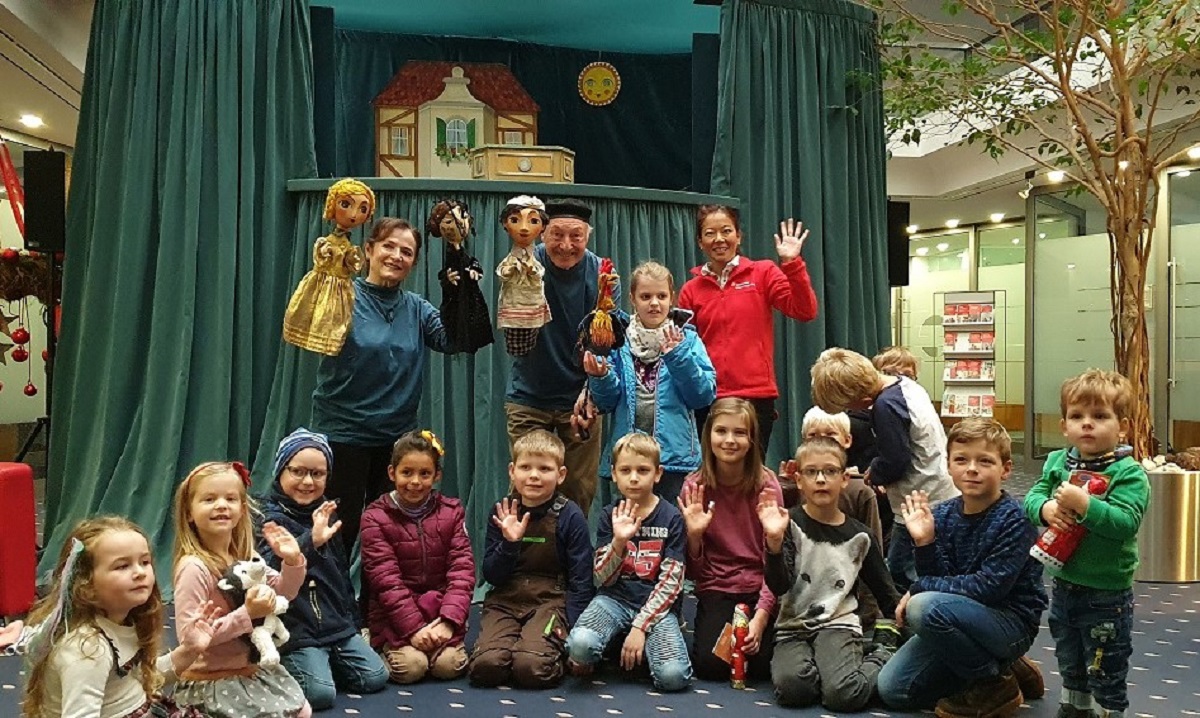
x=969, y=351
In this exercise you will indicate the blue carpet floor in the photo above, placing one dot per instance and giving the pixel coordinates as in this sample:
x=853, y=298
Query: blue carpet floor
x=1166, y=648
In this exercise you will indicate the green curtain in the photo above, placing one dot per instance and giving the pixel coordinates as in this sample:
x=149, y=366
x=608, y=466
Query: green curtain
x=798, y=137
x=195, y=114
x=463, y=399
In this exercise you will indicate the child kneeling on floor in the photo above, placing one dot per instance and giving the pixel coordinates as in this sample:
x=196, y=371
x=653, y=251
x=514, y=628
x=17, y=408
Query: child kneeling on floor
x=639, y=569
x=538, y=559
x=978, y=597
x=815, y=557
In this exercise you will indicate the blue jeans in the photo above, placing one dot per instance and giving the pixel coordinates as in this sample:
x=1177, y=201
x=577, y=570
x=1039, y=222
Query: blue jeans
x=349, y=665
x=1093, y=640
x=605, y=617
x=958, y=641
x=901, y=561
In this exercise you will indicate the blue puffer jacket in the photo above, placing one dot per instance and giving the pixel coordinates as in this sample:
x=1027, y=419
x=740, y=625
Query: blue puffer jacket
x=686, y=382
x=325, y=611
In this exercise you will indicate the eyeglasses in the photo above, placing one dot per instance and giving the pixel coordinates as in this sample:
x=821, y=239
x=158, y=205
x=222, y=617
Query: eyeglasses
x=811, y=474
x=299, y=472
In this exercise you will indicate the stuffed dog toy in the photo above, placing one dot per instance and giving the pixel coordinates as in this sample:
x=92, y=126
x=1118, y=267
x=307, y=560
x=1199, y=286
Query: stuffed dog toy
x=269, y=632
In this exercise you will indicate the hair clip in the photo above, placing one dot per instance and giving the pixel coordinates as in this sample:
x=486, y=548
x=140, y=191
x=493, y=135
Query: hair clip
x=428, y=435
x=240, y=469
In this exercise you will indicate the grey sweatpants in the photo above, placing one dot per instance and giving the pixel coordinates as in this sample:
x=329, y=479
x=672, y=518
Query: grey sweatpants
x=827, y=667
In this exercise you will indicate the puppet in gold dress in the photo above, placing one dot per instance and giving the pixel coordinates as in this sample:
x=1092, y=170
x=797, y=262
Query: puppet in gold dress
x=522, y=309
x=319, y=313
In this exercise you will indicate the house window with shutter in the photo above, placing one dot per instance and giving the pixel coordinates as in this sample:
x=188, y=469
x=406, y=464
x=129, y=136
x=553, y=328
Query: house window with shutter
x=399, y=141
x=456, y=134
x=514, y=137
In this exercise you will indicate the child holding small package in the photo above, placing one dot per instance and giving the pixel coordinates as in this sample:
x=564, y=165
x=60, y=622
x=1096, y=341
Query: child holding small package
x=538, y=559
x=1091, y=613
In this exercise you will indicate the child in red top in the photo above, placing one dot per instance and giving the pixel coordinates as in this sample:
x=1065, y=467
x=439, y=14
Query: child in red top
x=724, y=537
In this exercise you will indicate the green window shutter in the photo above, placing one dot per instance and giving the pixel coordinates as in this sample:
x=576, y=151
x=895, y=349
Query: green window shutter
x=441, y=132
x=471, y=134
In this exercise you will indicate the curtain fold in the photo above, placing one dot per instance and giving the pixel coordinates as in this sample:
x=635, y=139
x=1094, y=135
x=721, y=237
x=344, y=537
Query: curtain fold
x=195, y=114
x=799, y=136
x=463, y=396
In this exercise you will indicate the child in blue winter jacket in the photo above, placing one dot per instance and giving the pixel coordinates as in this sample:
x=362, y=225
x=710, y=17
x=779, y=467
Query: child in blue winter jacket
x=656, y=380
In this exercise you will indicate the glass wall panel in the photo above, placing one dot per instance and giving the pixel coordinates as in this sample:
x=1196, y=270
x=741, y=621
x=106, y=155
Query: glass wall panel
x=1002, y=270
x=938, y=263
x=1071, y=327
x=1184, y=189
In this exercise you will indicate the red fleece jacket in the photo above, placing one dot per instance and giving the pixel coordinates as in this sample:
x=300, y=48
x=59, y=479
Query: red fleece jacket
x=737, y=323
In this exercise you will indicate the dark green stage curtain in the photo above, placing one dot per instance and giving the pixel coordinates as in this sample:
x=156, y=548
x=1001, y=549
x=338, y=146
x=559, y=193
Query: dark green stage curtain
x=195, y=114
x=463, y=401
x=642, y=139
x=796, y=137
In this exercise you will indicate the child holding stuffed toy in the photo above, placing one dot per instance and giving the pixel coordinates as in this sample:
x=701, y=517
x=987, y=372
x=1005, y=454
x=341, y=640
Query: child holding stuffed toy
x=464, y=310
x=325, y=653
x=214, y=531
x=522, y=309
x=95, y=639
x=319, y=312
x=656, y=380
x=419, y=571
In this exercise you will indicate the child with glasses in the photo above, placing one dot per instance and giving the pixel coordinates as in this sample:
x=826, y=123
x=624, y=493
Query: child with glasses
x=816, y=555
x=325, y=652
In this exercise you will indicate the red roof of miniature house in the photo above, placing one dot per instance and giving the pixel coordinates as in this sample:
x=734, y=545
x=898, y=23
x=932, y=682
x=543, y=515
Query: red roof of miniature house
x=419, y=81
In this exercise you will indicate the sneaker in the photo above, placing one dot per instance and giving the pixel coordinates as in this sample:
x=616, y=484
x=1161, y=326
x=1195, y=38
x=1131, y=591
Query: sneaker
x=1029, y=677
x=887, y=636
x=1066, y=710
x=998, y=697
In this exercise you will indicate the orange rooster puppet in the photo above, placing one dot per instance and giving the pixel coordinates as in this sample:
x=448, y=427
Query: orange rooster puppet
x=603, y=329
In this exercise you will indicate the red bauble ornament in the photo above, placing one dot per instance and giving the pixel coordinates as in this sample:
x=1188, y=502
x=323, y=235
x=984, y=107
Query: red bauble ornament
x=1096, y=487
x=30, y=389
x=45, y=355
x=19, y=354
x=20, y=335
x=10, y=255
x=59, y=256
x=34, y=255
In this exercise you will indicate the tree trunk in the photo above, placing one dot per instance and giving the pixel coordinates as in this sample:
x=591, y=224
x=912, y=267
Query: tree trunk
x=1131, y=338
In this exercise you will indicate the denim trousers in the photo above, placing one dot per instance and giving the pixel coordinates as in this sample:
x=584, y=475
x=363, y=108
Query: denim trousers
x=957, y=642
x=1093, y=640
x=605, y=617
x=348, y=665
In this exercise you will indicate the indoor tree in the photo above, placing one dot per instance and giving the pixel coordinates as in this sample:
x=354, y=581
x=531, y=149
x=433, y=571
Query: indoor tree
x=1100, y=90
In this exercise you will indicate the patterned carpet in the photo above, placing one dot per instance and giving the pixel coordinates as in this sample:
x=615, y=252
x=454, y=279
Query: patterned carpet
x=1166, y=647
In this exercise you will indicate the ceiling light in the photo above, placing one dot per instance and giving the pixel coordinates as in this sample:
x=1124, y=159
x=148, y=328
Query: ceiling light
x=1016, y=240
x=31, y=121
x=912, y=228
x=1070, y=266
x=943, y=246
x=1056, y=175
x=1184, y=173
x=1194, y=153
x=1041, y=235
x=996, y=216
x=952, y=223
x=922, y=251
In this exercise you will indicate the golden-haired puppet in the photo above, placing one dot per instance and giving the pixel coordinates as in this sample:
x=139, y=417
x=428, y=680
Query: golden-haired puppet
x=319, y=313
x=464, y=310
x=522, y=309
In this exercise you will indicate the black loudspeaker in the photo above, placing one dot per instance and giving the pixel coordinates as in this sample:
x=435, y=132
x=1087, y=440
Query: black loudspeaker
x=324, y=139
x=706, y=54
x=45, y=201
x=897, y=242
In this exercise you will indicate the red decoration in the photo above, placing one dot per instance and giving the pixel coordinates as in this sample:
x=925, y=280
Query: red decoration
x=20, y=335
x=1054, y=548
x=19, y=354
x=45, y=355
x=741, y=631
x=30, y=389
x=10, y=255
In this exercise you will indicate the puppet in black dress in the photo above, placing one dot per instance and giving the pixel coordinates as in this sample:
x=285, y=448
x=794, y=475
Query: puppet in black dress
x=464, y=310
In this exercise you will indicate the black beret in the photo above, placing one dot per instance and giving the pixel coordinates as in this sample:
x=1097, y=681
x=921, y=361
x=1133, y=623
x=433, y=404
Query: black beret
x=572, y=208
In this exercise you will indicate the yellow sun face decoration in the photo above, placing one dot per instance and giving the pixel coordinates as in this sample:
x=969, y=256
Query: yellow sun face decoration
x=599, y=84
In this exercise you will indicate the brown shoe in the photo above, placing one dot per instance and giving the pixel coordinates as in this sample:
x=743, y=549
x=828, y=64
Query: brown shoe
x=998, y=697
x=1029, y=677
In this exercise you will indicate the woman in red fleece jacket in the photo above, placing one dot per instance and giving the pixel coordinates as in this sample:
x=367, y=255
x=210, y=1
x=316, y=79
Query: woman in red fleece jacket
x=733, y=297
x=418, y=565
